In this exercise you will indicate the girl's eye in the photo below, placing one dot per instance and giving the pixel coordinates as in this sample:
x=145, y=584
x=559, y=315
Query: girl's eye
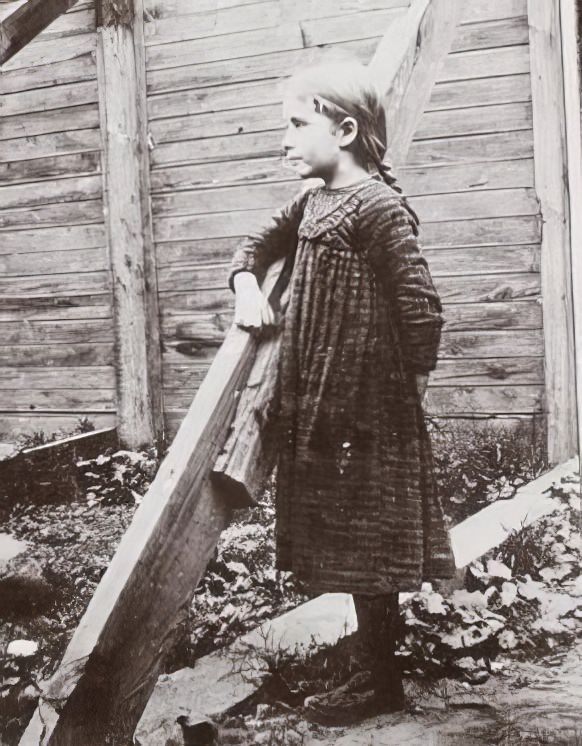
x=296, y=123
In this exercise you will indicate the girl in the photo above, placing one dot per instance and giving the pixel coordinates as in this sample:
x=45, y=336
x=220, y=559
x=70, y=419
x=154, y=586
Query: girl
x=355, y=496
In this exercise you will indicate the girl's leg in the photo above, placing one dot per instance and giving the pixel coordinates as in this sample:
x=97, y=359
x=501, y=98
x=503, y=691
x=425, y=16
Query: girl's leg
x=378, y=626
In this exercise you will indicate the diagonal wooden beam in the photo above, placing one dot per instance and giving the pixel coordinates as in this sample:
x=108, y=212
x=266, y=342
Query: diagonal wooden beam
x=406, y=64
x=115, y=656
x=27, y=21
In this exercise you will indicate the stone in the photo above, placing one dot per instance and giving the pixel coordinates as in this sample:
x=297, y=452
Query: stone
x=22, y=648
x=24, y=590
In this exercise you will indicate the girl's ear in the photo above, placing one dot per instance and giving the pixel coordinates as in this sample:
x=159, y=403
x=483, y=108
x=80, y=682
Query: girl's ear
x=348, y=131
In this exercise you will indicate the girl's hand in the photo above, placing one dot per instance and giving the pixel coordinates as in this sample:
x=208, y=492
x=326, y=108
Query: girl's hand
x=251, y=309
x=421, y=385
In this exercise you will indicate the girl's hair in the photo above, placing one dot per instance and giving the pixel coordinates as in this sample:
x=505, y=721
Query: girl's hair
x=346, y=89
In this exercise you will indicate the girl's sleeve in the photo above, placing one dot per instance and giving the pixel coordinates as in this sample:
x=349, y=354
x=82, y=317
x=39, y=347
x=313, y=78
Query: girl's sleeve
x=395, y=254
x=274, y=241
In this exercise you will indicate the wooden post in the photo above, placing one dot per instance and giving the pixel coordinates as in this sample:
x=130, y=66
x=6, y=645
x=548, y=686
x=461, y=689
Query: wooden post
x=550, y=163
x=27, y=21
x=111, y=665
x=570, y=23
x=127, y=205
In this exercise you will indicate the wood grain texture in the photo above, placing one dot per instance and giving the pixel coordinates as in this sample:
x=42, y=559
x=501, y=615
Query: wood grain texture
x=129, y=226
x=551, y=159
x=44, y=76
x=21, y=172
x=13, y=425
x=45, y=51
x=570, y=19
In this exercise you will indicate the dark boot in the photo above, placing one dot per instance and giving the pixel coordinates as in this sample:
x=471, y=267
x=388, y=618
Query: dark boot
x=373, y=692
x=379, y=622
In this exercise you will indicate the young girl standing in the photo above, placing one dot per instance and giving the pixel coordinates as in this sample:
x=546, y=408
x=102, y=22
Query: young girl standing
x=356, y=509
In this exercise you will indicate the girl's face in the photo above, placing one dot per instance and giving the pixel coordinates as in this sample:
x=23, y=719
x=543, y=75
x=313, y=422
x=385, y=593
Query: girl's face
x=311, y=142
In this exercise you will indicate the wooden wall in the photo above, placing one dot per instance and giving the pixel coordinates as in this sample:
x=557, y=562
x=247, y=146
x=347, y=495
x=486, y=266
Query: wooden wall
x=214, y=69
x=56, y=346
x=214, y=109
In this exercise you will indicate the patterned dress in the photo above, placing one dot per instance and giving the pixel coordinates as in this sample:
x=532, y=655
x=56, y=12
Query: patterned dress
x=356, y=505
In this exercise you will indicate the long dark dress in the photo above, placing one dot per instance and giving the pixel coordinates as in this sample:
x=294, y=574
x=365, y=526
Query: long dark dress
x=356, y=506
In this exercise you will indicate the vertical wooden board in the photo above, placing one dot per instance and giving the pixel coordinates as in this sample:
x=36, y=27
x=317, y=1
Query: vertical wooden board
x=550, y=153
x=122, y=94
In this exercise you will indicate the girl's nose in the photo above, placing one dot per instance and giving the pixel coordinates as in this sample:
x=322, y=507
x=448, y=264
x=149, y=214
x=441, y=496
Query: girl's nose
x=287, y=139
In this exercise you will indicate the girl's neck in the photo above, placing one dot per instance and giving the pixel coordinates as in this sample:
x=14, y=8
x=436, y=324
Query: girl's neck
x=345, y=175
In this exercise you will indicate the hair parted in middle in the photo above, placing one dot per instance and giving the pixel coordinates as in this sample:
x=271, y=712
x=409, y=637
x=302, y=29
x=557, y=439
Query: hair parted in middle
x=343, y=89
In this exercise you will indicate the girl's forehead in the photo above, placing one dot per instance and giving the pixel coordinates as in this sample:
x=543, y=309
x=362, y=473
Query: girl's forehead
x=298, y=106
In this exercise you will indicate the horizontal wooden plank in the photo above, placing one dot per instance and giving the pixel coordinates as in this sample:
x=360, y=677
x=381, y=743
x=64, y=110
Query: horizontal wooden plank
x=484, y=399
x=215, y=149
x=45, y=76
x=499, y=146
x=53, y=262
x=53, y=379
x=485, y=63
x=50, y=308
x=459, y=94
x=65, y=213
x=253, y=67
x=171, y=28
x=348, y=27
x=57, y=332
x=13, y=425
x=44, y=52
x=436, y=208
x=491, y=34
x=202, y=176
x=494, y=315
x=486, y=10
x=48, y=192
x=65, y=120
x=445, y=178
x=71, y=400
x=36, y=169
x=57, y=355
x=45, y=146
x=473, y=372
x=49, y=239
x=215, y=98
x=57, y=97
x=483, y=232
x=257, y=118
x=231, y=47
x=475, y=120
x=492, y=344
x=60, y=288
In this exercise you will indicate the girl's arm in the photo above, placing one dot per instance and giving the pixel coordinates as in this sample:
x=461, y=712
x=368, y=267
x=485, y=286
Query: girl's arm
x=274, y=241
x=395, y=254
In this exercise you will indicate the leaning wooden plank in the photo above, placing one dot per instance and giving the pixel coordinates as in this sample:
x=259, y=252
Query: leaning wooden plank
x=19, y=28
x=112, y=662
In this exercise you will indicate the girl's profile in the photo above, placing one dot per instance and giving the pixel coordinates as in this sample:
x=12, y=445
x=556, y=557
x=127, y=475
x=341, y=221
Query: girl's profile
x=355, y=494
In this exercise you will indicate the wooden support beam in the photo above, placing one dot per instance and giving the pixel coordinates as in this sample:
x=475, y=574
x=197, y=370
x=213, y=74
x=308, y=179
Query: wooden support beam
x=571, y=23
x=121, y=68
x=551, y=163
x=114, y=658
x=27, y=21
x=405, y=66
